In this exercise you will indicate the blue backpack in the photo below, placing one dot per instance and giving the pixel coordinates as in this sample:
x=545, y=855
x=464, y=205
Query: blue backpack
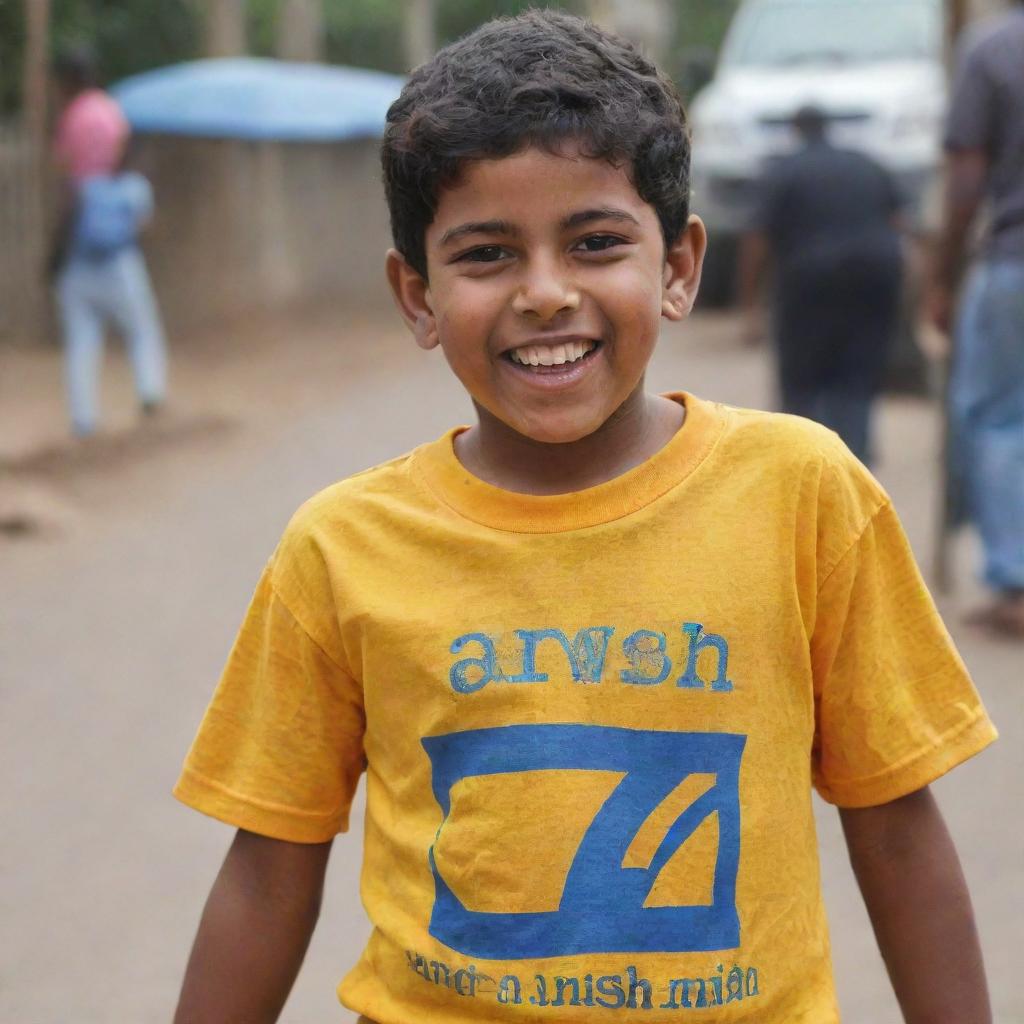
x=111, y=210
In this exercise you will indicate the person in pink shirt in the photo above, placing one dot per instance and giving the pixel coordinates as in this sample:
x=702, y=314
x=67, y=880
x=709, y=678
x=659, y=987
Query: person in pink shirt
x=92, y=132
x=99, y=271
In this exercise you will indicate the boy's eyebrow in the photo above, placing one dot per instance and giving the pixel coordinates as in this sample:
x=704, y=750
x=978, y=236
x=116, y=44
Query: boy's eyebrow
x=479, y=227
x=504, y=227
x=598, y=213
x=574, y=220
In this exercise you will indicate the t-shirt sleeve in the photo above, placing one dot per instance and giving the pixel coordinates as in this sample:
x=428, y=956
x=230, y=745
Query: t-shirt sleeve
x=895, y=707
x=279, y=751
x=970, y=123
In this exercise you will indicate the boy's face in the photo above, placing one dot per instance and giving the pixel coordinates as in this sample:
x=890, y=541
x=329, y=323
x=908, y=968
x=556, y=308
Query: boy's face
x=548, y=277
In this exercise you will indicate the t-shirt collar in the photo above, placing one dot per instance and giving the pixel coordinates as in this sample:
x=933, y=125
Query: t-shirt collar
x=469, y=496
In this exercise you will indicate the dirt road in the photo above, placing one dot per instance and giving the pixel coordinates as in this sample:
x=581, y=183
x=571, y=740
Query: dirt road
x=125, y=578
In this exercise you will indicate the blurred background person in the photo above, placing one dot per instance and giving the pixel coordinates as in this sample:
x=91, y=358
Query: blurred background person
x=985, y=161
x=91, y=130
x=100, y=273
x=826, y=224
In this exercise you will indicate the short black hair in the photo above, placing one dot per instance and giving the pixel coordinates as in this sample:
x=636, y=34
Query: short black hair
x=544, y=78
x=811, y=122
x=75, y=67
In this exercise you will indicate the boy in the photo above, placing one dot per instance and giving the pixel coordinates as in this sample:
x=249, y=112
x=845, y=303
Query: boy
x=593, y=651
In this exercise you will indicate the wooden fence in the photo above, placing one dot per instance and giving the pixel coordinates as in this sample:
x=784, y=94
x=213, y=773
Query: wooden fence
x=240, y=228
x=23, y=237
x=246, y=227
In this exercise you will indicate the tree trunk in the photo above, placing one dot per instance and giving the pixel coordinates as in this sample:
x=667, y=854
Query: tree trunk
x=648, y=23
x=602, y=12
x=224, y=28
x=36, y=71
x=300, y=30
x=419, y=32
x=30, y=311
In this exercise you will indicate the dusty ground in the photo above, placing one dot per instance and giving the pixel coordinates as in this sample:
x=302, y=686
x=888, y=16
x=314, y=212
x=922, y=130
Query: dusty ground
x=126, y=565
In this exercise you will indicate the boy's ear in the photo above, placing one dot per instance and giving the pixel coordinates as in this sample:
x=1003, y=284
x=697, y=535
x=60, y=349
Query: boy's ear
x=412, y=296
x=683, y=262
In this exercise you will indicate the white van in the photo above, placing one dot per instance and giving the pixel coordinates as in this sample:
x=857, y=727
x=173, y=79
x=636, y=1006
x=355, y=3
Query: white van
x=874, y=66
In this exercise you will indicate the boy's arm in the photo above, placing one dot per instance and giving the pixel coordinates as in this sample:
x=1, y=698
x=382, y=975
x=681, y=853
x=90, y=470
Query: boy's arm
x=910, y=877
x=253, y=935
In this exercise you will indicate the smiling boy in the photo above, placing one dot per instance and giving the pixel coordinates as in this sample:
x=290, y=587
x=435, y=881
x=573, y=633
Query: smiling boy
x=593, y=652
x=548, y=275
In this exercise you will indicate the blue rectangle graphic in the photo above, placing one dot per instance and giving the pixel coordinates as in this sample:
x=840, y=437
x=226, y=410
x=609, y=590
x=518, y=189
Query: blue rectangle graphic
x=602, y=905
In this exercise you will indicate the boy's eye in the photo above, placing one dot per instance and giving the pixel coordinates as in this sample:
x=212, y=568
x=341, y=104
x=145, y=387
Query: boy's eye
x=481, y=254
x=599, y=243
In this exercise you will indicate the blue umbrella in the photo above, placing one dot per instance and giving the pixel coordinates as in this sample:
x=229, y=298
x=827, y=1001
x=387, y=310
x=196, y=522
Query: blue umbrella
x=254, y=98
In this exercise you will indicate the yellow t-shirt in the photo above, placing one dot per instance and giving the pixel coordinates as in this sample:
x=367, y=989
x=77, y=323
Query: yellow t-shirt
x=591, y=722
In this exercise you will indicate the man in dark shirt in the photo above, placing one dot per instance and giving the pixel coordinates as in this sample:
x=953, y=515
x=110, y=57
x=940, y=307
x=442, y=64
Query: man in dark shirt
x=985, y=157
x=826, y=220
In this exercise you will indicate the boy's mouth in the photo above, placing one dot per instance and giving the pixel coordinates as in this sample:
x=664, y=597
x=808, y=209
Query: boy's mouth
x=553, y=358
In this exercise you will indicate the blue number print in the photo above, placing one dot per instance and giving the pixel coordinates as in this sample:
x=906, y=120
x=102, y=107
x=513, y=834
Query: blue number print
x=602, y=906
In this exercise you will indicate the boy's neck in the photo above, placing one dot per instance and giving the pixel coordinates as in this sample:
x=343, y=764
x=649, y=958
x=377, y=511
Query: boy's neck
x=500, y=456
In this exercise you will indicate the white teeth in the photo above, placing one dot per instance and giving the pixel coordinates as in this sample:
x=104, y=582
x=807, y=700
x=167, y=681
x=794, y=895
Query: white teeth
x=551, y=355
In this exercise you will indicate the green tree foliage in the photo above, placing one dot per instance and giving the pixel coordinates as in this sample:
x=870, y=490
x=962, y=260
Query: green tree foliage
x=361, y=33
x=12, y=46
x=702, y=23
x=368, y=33
x=700, y=27
x=129, y=36
x=457, y=17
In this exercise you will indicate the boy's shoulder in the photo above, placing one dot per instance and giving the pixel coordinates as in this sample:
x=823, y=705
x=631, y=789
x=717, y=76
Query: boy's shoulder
x=776, y=439
x=791, y=456
x=348, y=521
x=770, y=452
x=350, y=498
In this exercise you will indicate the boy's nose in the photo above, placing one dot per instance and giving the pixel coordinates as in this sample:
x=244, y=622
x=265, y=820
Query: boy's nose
x=544, y=294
